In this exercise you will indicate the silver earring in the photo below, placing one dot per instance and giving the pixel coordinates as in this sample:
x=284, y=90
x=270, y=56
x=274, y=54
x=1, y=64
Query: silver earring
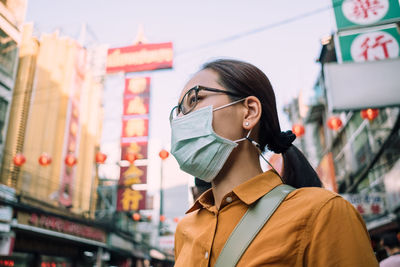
x=246, y=123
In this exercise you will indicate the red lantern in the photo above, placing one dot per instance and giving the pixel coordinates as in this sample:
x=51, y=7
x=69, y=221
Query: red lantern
x=298, y=130
x=149, y=218
x=44, y=159
x=19, y=159
x=163, y=154
x=162, y=218
x=136, y=216
x=335, y=123
x=131, y=157
x=176, y=219
x=369, y=114
x=100, y=157
x=70, y=160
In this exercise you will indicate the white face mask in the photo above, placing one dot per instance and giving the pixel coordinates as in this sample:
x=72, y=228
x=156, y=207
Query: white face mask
x=197, y=148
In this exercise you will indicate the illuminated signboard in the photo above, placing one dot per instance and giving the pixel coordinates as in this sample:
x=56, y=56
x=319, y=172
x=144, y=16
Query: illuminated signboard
x=140, y=57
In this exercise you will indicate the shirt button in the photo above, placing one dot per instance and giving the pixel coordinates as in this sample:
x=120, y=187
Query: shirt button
x=206, y=255
x=229, y=199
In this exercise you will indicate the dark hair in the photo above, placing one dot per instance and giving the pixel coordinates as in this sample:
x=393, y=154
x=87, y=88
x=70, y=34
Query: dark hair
x=390, y=240
x=247, y=80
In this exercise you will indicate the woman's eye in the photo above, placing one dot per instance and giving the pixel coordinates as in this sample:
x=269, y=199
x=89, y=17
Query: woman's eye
x=192, y=100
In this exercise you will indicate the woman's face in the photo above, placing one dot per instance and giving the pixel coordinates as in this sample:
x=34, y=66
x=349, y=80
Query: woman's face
x=228, y=121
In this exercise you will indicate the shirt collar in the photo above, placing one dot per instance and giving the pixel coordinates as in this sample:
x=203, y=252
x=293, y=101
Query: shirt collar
x=248, y=192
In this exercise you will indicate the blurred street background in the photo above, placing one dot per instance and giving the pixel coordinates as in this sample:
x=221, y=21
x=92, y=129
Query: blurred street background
x=86, y=88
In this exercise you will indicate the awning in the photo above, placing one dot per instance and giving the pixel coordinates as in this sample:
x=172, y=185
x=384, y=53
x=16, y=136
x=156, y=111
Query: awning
x=57, y=234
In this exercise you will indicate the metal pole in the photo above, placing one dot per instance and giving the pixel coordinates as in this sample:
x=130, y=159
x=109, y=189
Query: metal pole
x=99, y=256
x=160, y=224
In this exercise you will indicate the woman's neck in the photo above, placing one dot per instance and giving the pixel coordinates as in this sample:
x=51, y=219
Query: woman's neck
x=241, y=166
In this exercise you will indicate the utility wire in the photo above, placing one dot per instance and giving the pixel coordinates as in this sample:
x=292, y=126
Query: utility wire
x=257, y=30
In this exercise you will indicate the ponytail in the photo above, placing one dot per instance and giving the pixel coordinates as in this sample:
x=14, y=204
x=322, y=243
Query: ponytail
x=297, y=171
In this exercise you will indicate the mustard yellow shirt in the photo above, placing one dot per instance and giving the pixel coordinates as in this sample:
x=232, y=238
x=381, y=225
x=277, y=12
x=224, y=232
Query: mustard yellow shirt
x=312, y=227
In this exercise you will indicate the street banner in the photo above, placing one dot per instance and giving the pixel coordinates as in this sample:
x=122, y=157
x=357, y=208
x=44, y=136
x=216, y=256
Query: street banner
x=376, y=43
x=141, y=57
x=326, y=172
x=134, y=140
x=350, y=14
x=71, y=145
x=130, y=200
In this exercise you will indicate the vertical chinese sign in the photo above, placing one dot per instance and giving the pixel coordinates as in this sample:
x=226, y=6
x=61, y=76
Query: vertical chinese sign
x=134, y=140
x=135, y=117
x=71, y=144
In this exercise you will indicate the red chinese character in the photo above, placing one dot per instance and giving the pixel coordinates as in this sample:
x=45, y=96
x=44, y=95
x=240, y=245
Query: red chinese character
x=375, y=208
x=360, y=209
x=362, y=8
x=379, y=42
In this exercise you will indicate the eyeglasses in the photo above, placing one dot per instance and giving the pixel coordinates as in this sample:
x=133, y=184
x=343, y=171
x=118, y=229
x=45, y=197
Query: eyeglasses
x=191, y=98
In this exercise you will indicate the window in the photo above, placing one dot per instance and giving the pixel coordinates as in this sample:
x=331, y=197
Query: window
x=3, y=113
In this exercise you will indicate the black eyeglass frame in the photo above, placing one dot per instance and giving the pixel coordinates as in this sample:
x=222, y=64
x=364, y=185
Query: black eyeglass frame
x=198, y=88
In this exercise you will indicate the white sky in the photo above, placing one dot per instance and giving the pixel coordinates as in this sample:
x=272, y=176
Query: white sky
x=286, y=53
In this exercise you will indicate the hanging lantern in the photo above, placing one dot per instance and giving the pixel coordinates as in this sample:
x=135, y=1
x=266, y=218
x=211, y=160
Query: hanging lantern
x=335, y=123
x=298, y=130
x=70, y=160
x=44, y=159
x=369, y=114
x=136, y=216
x=162, y=218
x=19, y=159
x=149, y=218
x=163, y=154
x=100, y=157
x=176, y=219
x=131, y=157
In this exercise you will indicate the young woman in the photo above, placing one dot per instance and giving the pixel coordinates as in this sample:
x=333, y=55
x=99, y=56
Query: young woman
x=225, y=118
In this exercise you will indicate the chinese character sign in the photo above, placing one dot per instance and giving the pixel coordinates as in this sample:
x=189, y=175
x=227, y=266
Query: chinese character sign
x=135, y=127
x=370, y=46
x=129, y=199
x=356, y=13
x=367, y=204
x=137, y=86
x=134, y=137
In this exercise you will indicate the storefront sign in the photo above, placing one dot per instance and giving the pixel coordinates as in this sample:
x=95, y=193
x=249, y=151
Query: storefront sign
x=62, y=226
x=375, y=44
x=392, y=187
x=367, y=204
x=358, y=13
x=140, y=57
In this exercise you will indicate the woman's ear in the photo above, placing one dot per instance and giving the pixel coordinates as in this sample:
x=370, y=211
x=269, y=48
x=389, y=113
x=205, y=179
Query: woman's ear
x=252, y=113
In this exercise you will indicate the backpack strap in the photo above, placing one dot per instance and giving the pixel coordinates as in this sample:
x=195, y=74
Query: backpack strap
x=251, y=223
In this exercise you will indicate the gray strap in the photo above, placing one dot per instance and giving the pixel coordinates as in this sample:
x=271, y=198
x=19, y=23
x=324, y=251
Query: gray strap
x=250, y=224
